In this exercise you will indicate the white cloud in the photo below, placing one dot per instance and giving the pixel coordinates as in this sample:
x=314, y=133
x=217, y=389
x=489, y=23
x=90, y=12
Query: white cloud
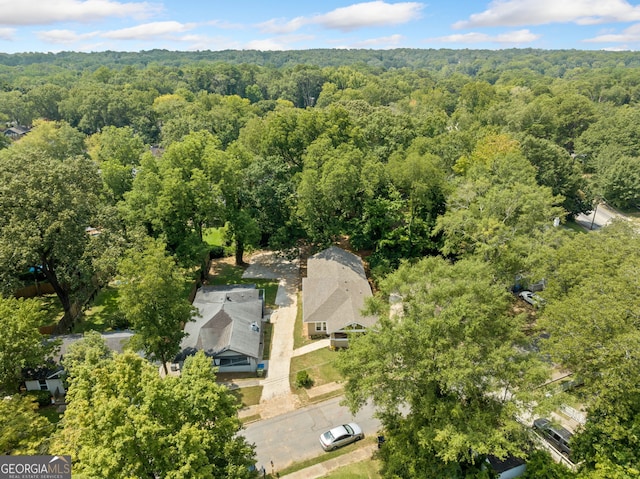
x=7, y=33
x=629, y=35
x=514, y=38
x=280, y=26
x=385, y=42
x=64, y=36
x=359, y=15
x=149, y=31
x=45, y=12
x=266, y=44
x=369, y=14
x=538, y=12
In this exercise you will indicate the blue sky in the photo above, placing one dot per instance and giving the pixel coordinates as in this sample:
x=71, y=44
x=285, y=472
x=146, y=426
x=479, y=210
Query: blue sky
x=133, y=25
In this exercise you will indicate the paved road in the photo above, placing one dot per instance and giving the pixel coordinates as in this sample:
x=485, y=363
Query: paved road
x=603, y=216
x=293, y=437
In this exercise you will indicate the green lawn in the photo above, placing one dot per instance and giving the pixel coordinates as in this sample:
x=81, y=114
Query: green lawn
x=267, y=331
x=299, y=338
x=326, y=456
x=359, y=470
x=51, y=413
x=51, y=309
x=319, y=365
x=249, y=396
x=103, y=314
x=231, y=274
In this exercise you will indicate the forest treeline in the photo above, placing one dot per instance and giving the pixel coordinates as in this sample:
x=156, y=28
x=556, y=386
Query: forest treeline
x=453, y=172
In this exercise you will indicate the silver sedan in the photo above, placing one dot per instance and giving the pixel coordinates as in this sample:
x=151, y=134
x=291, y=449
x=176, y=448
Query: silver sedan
x=341, y=436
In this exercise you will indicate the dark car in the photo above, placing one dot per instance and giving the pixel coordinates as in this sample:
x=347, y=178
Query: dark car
x=555, y=435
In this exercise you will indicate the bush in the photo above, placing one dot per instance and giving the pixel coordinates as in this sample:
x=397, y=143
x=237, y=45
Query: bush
x=303, y=380
x=216, y=252
x=43, y=398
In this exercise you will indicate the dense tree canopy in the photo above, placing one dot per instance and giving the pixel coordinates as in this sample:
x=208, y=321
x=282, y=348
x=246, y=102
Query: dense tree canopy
x=448, y=353
x=124, y=420
x=594, y=331
x=48, y=198
x=21, y=344
x=405, y=154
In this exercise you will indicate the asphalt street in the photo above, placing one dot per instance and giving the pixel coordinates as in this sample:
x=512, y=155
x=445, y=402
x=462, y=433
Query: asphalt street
x=603, y=216
x=294, y=436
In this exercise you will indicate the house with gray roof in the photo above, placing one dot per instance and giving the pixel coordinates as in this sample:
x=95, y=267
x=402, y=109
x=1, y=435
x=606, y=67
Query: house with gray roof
x=333, y=296
x=50, y=378
x=228, y=327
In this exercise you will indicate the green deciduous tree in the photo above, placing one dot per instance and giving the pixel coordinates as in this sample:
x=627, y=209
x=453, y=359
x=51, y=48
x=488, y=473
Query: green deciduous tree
x=21, y=344
x=556, y=169
x=124, y=420
x=621, y=182
x=176, y=196
x=153, y=298
x=117, y=151
x=497, y=209
x=446, y=371
x=48, y=198
x=594, y=331
x=22, y=430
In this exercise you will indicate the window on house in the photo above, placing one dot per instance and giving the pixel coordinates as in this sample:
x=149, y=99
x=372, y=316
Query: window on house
x=234, y=361
x=43, y=385
x=321, y=327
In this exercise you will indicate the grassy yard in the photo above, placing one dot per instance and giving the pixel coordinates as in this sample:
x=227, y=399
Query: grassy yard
x=103, y=315
x=267, y=331
x=320, y=367
x=249, y=396
x=51, y=308
x=359, y=470
x=326, y=456
x=51, y=413
x=227, y=273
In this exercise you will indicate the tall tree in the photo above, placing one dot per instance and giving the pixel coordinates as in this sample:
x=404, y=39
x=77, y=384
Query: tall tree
x=176, y=196
x=23, y=431
x=153, y=298
x=592, y=320
x=47, y=199
x=118, y=152
x=124, y=420
x=497, y=210
x=21, y=344
x=446, y=371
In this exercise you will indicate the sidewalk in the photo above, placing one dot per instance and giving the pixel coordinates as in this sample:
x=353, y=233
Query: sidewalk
x=324, y=468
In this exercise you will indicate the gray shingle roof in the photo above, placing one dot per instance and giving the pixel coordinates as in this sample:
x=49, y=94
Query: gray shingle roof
x=230, y=319
x=335, y=290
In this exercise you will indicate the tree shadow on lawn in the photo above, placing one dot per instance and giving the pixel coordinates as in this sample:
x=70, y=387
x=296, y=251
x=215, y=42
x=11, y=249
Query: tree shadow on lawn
x=104, y=314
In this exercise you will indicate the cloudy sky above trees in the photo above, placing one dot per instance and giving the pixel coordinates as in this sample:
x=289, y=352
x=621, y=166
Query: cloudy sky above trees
x=131, y=25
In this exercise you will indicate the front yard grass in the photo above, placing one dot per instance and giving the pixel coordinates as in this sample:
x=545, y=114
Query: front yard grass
x=326, y=456
x=369, y=469
x=249, y=396
x=319, y=365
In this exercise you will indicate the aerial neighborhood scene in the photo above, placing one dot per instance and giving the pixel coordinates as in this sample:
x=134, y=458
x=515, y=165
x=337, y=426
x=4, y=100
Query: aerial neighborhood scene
x=335, y=240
